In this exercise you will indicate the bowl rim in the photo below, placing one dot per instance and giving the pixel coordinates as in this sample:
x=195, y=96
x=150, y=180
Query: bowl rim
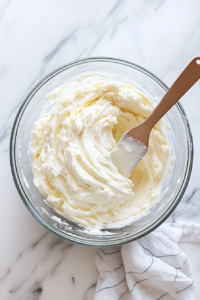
x=28, y=204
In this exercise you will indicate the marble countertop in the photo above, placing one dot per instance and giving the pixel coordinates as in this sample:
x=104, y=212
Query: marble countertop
x=38, y=36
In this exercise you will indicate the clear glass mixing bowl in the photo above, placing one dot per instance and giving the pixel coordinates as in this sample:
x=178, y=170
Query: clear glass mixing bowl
x=174, y=183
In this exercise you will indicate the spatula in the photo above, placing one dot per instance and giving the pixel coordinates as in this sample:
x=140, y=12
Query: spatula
x=133, y=145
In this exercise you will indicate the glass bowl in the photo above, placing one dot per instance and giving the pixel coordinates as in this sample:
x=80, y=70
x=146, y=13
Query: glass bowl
x=173, y=185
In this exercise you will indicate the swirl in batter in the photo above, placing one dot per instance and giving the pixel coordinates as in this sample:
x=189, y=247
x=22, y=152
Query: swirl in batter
x=70, y=153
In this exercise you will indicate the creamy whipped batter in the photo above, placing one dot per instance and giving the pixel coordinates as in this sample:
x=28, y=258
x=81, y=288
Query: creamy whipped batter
x=70, y=152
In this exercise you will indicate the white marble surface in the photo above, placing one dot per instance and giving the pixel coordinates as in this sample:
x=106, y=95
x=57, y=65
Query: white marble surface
x=37, y=36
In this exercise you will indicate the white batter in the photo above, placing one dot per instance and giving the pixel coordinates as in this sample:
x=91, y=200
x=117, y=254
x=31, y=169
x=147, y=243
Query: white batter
x=70, y=152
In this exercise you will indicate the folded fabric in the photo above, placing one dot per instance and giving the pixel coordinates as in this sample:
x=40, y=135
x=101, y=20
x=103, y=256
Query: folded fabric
x=150, y=268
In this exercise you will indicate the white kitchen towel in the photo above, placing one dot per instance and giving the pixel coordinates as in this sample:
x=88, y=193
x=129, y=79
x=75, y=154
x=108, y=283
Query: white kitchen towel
x=150, y=268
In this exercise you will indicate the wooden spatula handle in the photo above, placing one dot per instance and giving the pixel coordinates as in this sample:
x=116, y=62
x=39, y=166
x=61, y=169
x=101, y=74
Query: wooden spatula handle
x=184, y=82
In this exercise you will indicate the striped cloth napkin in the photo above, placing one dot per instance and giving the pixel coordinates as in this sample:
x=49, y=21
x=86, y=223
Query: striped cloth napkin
x=150, y=268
